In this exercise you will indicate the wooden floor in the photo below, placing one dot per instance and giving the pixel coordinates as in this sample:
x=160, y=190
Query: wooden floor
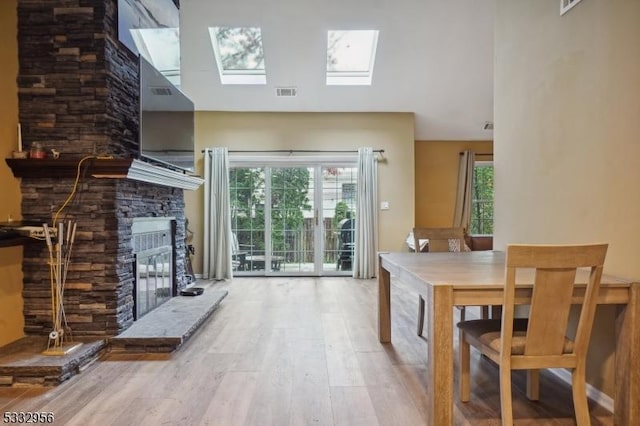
x=287, y=351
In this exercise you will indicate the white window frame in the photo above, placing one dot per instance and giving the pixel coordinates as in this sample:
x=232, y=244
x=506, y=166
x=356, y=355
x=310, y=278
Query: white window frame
x=355, y=78
x=484, y=163
x=267, y=160
x=567, y=5
x=249, y=77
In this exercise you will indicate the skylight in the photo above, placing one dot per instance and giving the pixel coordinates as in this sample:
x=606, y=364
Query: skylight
x=350, y=57
x=161, y=47
x=239, y=54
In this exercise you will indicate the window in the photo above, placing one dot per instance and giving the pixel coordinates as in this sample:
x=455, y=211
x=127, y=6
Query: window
x=349, y=192
x=294, y=214
x=482, y=202
x=239, y=54
x=566, y=5
x=350, y=57
x=161, y=47
x=152, y=29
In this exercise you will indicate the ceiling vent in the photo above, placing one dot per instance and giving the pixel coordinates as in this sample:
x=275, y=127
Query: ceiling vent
x=488, y=125
x=286, y=92
x=160, y=91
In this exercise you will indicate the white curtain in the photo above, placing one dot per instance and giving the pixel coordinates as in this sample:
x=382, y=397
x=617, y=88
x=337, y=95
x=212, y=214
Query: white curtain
x=364, y=259
x=218, y=239
x=462, y=212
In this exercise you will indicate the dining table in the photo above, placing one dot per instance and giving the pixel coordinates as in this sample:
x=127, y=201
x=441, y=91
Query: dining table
x=476, y=279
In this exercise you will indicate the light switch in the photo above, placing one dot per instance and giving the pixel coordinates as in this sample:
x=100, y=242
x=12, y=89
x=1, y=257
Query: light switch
x=384, y=205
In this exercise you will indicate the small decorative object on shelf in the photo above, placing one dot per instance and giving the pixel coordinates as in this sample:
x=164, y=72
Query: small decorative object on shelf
x=36, y=151
x=59, y=244
x=19, y=154
x=55, y=154
x=19, y=138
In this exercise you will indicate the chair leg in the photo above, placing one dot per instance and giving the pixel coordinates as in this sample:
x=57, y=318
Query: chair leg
x=533, y=385
x=580, y=404
x=484, y=312
x=420, y=314
x=464, y=353
x=496, y=311
x=506, y=406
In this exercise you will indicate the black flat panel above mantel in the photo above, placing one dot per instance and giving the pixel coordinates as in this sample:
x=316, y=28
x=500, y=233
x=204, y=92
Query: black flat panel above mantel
x=46, y=168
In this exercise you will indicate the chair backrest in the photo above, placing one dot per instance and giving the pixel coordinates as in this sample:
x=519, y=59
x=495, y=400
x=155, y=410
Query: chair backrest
x=440, y=239
x=555, y=269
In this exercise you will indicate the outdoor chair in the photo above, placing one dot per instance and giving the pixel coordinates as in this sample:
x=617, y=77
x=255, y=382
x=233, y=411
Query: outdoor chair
x=238, y=256
x=346, y=244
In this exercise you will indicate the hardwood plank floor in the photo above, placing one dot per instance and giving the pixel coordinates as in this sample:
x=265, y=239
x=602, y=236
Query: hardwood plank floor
x=288, y=351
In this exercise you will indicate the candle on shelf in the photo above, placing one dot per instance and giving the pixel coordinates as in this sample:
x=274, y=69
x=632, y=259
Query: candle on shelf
x=19, y=138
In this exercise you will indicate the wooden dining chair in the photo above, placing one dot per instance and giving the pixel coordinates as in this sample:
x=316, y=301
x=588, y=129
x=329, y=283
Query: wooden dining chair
x=439, y=240
x=538, y=341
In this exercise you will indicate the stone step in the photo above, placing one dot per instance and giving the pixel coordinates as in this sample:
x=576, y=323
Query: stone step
x=168, y=326
x=164, y=329
x=22, y=362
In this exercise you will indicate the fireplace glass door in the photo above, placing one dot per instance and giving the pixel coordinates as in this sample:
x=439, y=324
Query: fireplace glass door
x=153, y=242
x=154, y=279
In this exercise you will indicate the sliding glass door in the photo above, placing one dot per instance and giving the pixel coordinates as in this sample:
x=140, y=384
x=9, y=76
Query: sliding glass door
x=292, y=220
x=338, y=211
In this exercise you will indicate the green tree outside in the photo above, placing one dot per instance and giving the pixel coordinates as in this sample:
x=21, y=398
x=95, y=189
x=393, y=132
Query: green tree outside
x=289, y=199
x=342, y=211
x=247, y=206
x=482, y=205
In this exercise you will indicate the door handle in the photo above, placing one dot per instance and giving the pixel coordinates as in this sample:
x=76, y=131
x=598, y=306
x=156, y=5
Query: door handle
x=317, y=214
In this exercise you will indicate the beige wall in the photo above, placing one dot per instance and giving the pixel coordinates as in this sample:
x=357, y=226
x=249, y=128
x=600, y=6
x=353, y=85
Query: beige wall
x=11, y=322
x=392, y=132
x=436, y=164
x=567, y=136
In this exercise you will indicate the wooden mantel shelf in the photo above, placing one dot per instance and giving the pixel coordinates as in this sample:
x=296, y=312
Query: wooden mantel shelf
x=29, y=168
x=108, y=168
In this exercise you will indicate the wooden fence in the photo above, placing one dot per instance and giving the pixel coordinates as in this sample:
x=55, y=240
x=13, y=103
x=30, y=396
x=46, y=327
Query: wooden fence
x=299, y=245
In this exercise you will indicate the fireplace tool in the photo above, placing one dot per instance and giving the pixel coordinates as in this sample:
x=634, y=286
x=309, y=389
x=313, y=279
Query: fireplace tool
x=59, y=245
x=189, y=251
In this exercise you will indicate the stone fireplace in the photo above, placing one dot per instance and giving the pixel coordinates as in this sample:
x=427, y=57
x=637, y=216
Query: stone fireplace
x=99, y=295
x=78, y=94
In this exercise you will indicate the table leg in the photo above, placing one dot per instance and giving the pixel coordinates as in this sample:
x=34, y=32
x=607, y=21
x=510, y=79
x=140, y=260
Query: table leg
x=627, y=375
x=384, y=304
x=440, y=365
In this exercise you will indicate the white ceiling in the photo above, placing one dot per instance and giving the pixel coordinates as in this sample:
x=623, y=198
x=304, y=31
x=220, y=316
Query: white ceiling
x=434, y=58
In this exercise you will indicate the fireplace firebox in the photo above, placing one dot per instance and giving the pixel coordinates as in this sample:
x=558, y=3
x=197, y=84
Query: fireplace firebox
x=153, y=247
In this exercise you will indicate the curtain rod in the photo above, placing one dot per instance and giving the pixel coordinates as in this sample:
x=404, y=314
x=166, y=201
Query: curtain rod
x=291, y=151
x=480, y=153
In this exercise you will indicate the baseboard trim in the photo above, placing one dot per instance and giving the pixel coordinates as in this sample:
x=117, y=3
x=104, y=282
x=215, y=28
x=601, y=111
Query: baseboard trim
x=593, y=393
